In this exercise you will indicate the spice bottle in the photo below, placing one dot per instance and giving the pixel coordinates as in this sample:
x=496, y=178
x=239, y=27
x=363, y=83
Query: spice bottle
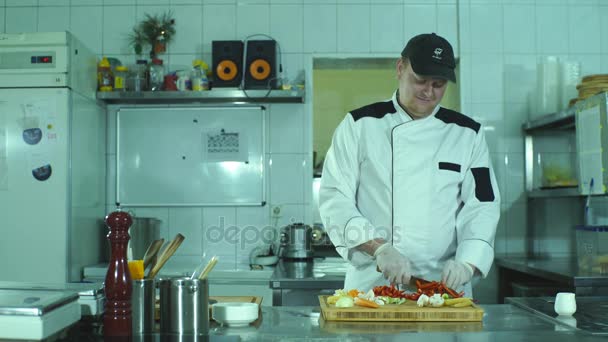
x=120, y=77
x=105, y=79
x=198, y=76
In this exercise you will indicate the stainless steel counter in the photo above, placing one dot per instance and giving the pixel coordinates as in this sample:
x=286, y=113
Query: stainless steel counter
x=563, y=270
x=500, y=323
x=591, y=314
x=300, y=282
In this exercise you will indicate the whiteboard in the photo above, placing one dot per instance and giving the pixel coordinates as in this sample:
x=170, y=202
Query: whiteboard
x=190, y=156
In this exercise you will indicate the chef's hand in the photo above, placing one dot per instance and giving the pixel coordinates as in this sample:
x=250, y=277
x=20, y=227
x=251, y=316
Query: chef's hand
x=394, y=266
x=456, y=273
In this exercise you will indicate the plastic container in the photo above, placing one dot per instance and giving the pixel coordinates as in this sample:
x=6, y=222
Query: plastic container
x=105, y=78
x=156, y=74
x=120, y=78
x=138, y=80
x=547, y=82
x=198, y=76
x=592, y=249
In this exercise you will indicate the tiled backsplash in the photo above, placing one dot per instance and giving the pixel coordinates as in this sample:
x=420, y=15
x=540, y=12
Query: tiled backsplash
x=231, y=232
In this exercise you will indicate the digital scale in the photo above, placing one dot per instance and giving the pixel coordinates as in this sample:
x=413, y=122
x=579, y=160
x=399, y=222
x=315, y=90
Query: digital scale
x=36, y=314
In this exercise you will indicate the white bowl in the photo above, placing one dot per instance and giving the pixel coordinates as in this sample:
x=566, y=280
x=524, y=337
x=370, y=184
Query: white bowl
x=235, y=314
x=267, y=260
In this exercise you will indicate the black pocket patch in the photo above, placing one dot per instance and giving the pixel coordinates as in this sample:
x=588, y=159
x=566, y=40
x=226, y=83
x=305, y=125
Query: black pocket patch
x=483, y=185
x=449, y=166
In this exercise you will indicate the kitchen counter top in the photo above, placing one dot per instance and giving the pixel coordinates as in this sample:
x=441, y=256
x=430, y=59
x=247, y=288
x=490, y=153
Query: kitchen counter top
x=222, y=272
x=500, y=323
x=563, y=270
x=300, y=282
x=324, y=272
x=591, y=312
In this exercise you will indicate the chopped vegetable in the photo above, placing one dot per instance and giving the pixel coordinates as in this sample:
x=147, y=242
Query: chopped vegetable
x=436, y=300
x=366, y=303
x=353, y=293
x=423, y=300
x=369, y=295
x=345, y=302
x=332, y=299
x=461, y=302
x=450, y=302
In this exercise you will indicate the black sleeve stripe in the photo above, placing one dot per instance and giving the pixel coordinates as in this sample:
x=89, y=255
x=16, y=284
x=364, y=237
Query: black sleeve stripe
x=483, y=185
x=449, y=166
x=375, y=110
x=453, y=117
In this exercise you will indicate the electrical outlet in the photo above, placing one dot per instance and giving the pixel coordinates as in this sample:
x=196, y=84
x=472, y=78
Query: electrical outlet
x=276, y=210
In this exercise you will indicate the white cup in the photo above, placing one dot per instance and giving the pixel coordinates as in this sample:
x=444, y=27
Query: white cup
x=565, y=304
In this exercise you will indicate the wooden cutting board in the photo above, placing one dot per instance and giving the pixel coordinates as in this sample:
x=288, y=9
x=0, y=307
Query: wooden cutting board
x=407, y=311
x=396, y=327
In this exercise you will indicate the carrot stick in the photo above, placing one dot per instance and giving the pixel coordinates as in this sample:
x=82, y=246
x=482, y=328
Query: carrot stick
x=366, y=303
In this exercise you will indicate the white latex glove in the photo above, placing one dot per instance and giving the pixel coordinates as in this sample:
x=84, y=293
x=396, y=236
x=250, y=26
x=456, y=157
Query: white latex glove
x=456, y=273
x=394, y=266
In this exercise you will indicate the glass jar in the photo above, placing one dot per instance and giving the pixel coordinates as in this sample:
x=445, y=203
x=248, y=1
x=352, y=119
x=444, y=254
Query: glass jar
x=138, y=78
x=120, y=78
x=156, y=74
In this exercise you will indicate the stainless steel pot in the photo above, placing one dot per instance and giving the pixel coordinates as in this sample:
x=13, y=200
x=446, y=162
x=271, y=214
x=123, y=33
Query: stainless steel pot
x=142, y=232
x=184, y=306
x=296, y=241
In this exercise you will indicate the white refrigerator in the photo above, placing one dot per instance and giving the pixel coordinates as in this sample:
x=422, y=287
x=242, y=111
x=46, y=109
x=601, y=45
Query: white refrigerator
x=52, y=158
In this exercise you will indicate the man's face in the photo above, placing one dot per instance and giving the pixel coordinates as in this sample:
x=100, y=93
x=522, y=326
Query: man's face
x=418, y=94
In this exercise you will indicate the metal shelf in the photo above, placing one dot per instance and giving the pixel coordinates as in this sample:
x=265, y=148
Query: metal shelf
x=560, y=120
x=210, y=96
x=557, y=192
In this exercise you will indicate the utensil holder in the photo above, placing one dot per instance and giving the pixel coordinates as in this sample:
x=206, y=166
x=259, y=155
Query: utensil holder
x=142, y=306
x=184, y=306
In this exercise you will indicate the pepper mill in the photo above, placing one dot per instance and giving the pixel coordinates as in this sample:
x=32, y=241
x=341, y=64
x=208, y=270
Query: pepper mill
x=118, y=287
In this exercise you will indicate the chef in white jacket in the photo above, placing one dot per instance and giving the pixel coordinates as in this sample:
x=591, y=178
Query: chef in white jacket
x=407, y=187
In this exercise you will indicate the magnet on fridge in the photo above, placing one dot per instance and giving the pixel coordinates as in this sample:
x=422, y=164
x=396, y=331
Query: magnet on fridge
x=32, y=136
x=42, y=173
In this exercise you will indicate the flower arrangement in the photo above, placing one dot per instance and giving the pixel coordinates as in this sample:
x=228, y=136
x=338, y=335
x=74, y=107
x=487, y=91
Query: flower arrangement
x=155, y=31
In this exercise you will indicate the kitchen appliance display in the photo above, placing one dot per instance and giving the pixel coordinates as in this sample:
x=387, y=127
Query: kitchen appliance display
x=52, y=158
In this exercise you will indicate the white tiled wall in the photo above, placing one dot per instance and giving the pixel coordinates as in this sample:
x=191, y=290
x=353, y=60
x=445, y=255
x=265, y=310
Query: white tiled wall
x=501, y=42
x=498, y=42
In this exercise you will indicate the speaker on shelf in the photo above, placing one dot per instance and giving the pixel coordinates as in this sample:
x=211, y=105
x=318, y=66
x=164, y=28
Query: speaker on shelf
x=227, y=58
x=260, y=64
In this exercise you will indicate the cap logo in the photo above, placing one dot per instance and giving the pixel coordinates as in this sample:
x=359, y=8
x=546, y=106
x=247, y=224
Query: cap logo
x=438, y=52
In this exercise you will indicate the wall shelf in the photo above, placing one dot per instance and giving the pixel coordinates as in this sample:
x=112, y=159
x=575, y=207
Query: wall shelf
x=560, y=120
x=557, y=192
x=224, y=95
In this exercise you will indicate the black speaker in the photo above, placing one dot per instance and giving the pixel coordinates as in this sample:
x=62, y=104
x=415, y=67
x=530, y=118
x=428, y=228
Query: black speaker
x=227, y=58
x=260, y=64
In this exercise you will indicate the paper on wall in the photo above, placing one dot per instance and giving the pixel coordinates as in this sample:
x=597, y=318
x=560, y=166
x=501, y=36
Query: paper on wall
x=222, y=145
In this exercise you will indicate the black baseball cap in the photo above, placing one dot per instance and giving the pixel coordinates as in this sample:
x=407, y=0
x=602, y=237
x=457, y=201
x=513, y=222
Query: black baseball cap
x=431, y=55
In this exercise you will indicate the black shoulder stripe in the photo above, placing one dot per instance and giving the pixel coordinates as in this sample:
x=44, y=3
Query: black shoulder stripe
x=375, y=110
x=483, y=185
x=453, y=117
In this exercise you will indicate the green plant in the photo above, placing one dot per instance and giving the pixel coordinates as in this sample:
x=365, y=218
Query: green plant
x=155, y=31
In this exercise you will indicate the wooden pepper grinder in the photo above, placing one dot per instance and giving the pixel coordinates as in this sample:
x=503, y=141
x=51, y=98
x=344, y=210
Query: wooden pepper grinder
x=117, y=318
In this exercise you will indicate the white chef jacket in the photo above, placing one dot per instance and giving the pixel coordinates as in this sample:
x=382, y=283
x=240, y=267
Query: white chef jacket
x=424, y=185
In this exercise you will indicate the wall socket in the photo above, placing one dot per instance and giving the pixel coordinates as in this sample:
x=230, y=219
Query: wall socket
x=276, y=211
